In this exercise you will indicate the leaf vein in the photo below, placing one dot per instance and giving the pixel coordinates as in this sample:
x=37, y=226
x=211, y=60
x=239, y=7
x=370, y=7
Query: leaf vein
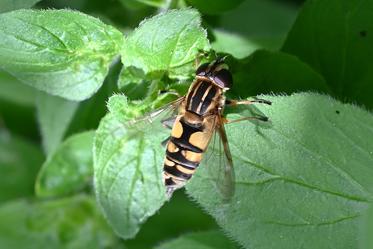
x=338, y=170
x=56, y=37
x=326, y=223
x=302, y=184
x=177, y=41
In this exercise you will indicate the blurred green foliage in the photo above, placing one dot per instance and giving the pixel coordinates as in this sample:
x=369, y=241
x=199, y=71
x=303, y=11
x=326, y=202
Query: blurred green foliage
x=302, y=181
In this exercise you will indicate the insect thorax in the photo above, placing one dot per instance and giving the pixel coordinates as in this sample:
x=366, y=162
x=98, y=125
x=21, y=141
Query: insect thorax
x=204, y=98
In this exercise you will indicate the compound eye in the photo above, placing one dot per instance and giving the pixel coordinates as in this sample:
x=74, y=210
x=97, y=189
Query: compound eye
x=202, y=69
x=223, y=78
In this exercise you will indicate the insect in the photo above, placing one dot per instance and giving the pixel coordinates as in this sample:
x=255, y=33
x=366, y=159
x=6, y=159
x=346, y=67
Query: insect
x=199, y=117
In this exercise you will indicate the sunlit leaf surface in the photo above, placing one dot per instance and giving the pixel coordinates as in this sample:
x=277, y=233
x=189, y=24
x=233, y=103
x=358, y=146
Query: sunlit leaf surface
x=62, y=52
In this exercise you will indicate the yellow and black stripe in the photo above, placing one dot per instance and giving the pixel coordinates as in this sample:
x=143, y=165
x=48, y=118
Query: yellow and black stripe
x=195, y=124
x=182, y=157
x=201, y=97
x=190, y=136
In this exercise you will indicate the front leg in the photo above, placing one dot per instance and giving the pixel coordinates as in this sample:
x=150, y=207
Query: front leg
x=260, y=118
x=234, y=102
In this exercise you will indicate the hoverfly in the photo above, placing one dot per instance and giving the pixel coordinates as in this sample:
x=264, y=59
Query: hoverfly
x=199, y=116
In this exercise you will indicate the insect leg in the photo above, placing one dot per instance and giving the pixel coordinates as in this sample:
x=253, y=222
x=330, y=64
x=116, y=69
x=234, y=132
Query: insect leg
x=173, y=92
x=234, y=102
x=260, y=118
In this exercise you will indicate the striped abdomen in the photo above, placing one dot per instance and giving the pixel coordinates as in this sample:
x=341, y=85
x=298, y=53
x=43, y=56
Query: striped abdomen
x=190, y=135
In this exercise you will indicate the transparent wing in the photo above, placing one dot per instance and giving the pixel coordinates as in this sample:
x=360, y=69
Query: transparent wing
x=219, y=162
x=165, y=115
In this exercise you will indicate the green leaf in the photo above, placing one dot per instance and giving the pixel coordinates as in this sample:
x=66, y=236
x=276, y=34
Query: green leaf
x=302, y=181
x=366, y=231
x=335, y=38
x=135, y=4
x=333, y=184
x=69, y=169
x=91, y=111
x=9, y=5
x=239, y=46
x=133, y=83
x=65, y=223
x=127, y=169
x=61, y=52
x=11, y=90
x=200, y=240
x=260, y=19
x=20, y=161
x=166, y=44
x=214, y=6
x=157, y=228
x=273, y=72
x=54, y=116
